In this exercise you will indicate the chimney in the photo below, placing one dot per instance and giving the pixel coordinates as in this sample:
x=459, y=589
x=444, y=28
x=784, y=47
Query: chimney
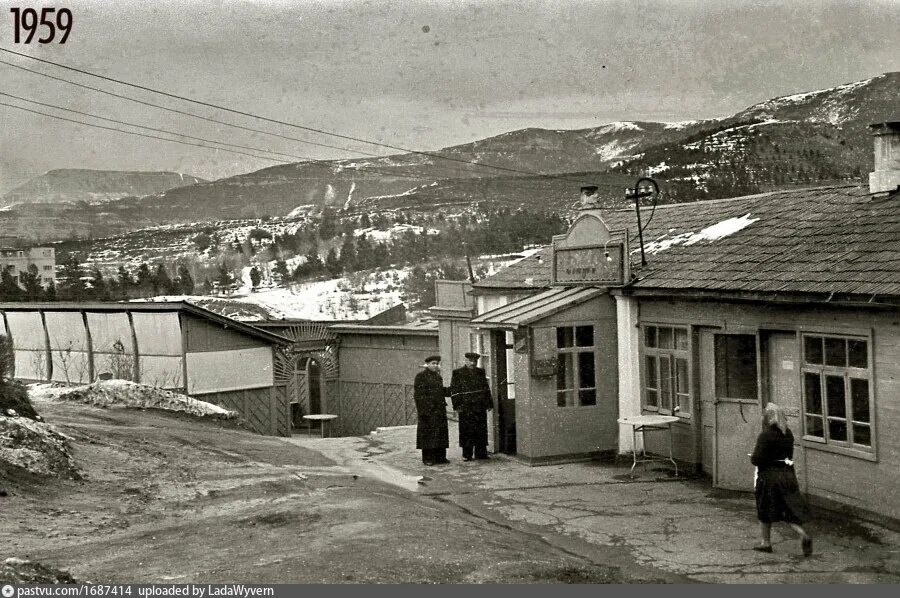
x=886, y=176
x=590, y=199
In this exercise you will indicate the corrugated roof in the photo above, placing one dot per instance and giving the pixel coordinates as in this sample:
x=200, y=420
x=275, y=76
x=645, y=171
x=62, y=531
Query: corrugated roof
x=838, y=239
x=536, y=307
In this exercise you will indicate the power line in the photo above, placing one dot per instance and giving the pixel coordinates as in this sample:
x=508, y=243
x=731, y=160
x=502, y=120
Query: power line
x=285, y=123
x=166, y=131
x=222, y=122
x=126, y=123
x=71, y=120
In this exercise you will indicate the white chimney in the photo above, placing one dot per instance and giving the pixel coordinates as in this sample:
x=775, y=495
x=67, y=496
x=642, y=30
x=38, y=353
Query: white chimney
x=886, y=176
x=590, y=199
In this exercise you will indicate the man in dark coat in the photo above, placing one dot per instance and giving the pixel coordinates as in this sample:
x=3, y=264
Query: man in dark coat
x=431, y=433
x=471, y=397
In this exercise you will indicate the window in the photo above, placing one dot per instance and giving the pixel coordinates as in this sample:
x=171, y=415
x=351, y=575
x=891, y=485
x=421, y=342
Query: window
x=576, y=380
x=47, y=268
x=837, y=391
x=667, y=372
x=736, y=368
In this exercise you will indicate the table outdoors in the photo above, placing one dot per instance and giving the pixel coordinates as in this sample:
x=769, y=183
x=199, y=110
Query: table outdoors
x=319, y=417
x=649, y=423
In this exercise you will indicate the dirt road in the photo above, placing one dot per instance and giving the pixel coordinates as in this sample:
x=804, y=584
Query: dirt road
x=170, y=498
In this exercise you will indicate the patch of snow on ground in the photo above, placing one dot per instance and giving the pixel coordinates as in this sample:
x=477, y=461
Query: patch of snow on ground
x=125, y=393
x=357, y=297
x=680, y=124
x=373, y=234
x=36, y=447
x=717, y=231
x=301, y=210
x=661, y=167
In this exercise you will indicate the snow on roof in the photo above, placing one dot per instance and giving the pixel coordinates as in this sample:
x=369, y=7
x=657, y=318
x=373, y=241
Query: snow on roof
x=714, y=232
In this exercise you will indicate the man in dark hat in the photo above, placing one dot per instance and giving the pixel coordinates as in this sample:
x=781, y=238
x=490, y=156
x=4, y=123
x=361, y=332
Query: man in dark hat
x=471, y=397
x=431, y=432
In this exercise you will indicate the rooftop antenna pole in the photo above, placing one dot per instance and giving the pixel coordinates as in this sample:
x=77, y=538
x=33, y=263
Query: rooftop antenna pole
x=638, y=193
x=469, y=263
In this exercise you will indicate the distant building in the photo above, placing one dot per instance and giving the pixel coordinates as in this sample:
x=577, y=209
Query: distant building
x=18, y=259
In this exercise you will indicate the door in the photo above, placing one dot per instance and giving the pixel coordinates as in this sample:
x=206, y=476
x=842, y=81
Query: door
x=783, y=382
x=736, y=408
x=506, y=393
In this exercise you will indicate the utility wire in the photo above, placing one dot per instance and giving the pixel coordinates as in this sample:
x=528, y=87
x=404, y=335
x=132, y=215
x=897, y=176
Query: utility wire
x=289, y=124
x=166, y=131
x=221, y=122
x=71, y=120
x=126, y=123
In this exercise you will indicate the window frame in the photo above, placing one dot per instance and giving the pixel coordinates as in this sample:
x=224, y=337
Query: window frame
x=575, y=350
x=682, y=403
x=847, y=373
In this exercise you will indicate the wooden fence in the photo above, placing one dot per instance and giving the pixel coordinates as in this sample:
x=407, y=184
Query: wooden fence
x=364, y=406
x=266, y=410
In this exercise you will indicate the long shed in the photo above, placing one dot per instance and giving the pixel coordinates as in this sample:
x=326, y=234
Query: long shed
x=172, y=345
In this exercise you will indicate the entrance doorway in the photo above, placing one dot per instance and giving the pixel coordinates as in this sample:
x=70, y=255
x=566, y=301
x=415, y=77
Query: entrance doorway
x=783, y=387
x=504, y=378
x=305, y=389
x=734, y=383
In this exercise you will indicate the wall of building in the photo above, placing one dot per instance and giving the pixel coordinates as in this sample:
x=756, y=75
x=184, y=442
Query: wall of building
x=869, y=483
x=547, y=431
x=384, y=357
x=377, y=371
x=17, y=260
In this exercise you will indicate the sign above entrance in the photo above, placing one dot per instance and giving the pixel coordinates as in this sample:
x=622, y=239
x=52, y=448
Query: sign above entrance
x=589, y=265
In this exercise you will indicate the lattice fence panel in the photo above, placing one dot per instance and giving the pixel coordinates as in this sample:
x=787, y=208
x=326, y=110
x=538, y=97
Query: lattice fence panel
x=282, y=405
x=365, y=406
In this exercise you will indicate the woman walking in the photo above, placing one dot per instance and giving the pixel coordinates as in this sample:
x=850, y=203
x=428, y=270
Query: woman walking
x=778, y=495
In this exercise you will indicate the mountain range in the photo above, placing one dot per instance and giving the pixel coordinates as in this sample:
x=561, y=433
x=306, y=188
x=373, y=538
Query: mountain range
x=801, y=139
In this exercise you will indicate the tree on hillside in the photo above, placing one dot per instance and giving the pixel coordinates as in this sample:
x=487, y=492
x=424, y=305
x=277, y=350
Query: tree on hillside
x=224, y=277
x=348, y=254
x=332, y=263
x=126, y=282
x=202, y=241
x=30, y=281
x=255, y=277
x=185, y=283
x=9, y=288
x=99, y=288
x=71, y=285
x=280, y=271
x=144, y=280
x=328, y=224
x=258, y=234
x=162, y=283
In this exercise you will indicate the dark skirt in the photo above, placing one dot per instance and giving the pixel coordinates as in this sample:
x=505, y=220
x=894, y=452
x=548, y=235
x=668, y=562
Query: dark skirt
x=778, y=497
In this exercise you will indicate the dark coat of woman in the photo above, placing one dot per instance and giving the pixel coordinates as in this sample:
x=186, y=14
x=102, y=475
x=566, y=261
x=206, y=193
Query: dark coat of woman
x=429, y=393
x=778, y=496
x=470, y=395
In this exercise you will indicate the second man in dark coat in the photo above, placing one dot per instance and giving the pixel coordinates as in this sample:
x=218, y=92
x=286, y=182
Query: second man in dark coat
x=471, y=397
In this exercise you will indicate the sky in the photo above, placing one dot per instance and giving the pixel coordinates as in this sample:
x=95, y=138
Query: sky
x=415, y=74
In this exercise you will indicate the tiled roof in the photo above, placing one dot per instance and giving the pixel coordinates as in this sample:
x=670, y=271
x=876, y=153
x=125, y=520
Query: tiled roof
x=532, y=272
x=839, y=240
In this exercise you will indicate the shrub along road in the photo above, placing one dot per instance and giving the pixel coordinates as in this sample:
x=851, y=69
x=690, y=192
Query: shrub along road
x=171, y=498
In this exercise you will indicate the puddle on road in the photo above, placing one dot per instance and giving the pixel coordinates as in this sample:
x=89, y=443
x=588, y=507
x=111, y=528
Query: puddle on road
x=388, y=475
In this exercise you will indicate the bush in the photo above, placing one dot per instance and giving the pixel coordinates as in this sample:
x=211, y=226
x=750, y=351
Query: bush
x=13, y=395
